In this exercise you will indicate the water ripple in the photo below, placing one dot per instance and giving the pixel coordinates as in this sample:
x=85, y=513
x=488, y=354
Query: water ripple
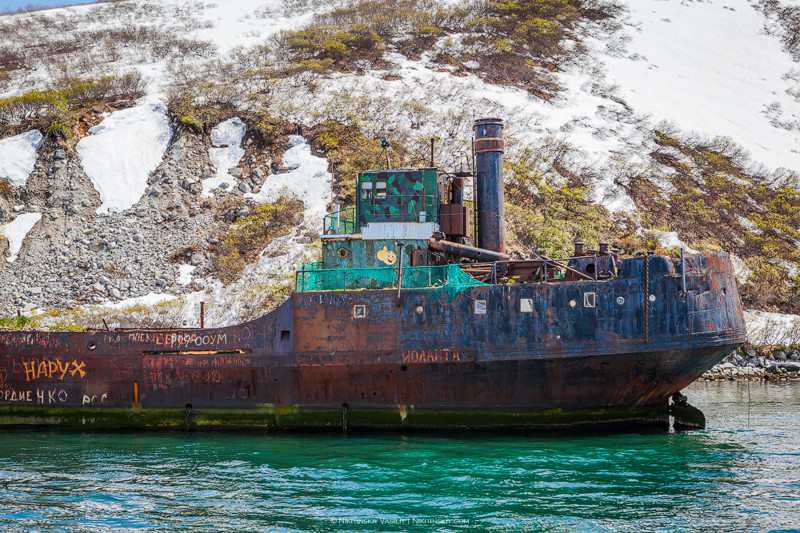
x=726, y=478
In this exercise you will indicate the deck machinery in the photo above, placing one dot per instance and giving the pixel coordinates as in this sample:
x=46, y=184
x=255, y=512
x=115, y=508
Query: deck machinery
x=405, y=325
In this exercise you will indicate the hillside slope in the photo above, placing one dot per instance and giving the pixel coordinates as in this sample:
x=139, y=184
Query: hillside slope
x=624, y=121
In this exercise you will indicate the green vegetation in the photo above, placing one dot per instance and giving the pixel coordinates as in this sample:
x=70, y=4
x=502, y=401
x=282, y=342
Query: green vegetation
x=350, y=152
x=57, y=109
x=246, y=238
x=516, y=41
x=716, y=203
x=548, y=220
x=17, y=322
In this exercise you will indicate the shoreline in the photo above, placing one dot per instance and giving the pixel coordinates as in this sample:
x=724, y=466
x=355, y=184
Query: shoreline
x=779, y=365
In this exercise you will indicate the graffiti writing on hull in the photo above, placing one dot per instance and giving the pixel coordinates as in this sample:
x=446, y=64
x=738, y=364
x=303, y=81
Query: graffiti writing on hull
x=38, y=396
x=55, y=368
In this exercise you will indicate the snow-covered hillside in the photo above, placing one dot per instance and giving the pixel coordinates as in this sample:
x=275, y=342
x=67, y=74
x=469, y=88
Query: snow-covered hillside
x=712, y=73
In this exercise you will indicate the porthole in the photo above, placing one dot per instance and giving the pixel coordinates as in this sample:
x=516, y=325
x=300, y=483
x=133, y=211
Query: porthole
x=573, y=303
x=92, y=345
x=590, y=268
x=342, y=252
x=419, y=309
x=620, y=300
x=652, y=298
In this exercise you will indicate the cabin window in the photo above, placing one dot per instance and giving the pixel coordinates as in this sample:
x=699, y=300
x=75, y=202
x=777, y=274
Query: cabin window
x=380, y=189
x=480, y=307
x=360, y=311
x=588, y=299
x=366, y=190
x=285, y=335
x=526, y=305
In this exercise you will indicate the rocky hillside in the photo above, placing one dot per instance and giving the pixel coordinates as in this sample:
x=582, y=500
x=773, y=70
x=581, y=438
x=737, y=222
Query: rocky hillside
x=156, y=154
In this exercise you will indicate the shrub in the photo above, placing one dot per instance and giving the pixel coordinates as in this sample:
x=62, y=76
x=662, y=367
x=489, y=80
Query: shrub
x=56, y=108
x=6, y=189
x=350, y=151
x=247, y=237
x=18, y=322
x=715, y=203
x=551, y=220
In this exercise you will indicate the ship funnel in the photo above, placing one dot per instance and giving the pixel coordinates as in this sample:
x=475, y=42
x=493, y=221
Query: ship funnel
x=489, y=186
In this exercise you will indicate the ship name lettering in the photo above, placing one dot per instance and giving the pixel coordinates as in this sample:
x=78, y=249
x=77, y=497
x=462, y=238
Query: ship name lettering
x=53, y=368
x=431, y=356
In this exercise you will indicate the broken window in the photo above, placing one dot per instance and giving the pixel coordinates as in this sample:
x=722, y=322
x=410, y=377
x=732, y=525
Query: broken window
x=366, y=190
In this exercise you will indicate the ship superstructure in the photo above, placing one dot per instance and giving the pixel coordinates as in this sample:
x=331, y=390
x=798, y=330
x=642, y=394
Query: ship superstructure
x=403, y=325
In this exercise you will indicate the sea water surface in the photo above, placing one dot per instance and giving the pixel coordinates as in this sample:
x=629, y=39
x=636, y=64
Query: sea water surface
x=740, y=474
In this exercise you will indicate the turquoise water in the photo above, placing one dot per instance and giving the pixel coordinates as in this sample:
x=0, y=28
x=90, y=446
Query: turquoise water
x=730, y=477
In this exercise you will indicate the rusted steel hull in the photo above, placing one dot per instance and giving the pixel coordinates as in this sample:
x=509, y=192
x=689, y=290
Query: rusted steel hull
x=357, y=360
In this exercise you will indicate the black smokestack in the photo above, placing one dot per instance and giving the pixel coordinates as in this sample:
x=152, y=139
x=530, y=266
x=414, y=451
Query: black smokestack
x=489, y=193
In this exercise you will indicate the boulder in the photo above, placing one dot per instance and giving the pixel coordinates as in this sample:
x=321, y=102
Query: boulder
x=790, y=366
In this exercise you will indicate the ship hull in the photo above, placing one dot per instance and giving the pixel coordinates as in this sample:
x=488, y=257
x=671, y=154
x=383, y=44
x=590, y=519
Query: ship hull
x=559, y=393
x=394, y=360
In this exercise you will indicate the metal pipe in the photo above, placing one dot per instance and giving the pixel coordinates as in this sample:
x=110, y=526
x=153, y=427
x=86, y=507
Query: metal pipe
x=563, y=265
x=202, y=315
x=462, y=250
x=457, y=190
x=474, y=193
x=683, y=273
x=399, y=270
x=489, y=195
x=432, y=141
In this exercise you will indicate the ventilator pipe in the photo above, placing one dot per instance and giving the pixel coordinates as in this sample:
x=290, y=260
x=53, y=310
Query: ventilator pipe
x=461, y=250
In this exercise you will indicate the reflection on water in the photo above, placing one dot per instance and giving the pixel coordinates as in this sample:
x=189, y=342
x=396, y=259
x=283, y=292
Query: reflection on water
x=730, y=477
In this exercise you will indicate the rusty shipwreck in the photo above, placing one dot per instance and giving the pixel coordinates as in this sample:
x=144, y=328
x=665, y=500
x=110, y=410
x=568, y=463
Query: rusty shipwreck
x=403, y=326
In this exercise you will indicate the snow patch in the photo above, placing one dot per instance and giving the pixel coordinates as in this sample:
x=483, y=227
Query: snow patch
x=613, y=197
x=147, y=300
x=309, y=181
x=185, y=274
x=18, y=156
x=772, y=328
x=681, y=64
x=226, y=139
x=668, y=240
x=123, y=150
x=740, y=270
x=16, y=231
